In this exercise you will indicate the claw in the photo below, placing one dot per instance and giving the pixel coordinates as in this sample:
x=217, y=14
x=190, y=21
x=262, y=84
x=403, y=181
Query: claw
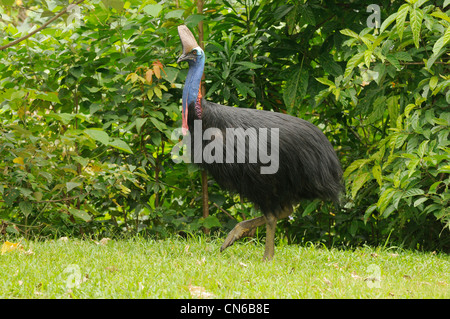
x=237, y=232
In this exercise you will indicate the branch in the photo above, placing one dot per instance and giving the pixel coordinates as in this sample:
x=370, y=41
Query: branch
x=63, y=11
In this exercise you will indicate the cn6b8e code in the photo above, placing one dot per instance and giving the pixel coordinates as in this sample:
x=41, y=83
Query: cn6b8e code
x=246, y=308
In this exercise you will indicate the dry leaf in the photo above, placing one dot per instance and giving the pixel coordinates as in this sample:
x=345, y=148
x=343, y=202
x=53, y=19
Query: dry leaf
x=28, y=252
x=149, y=76
x=199, y=292
x=355, y=276
x=7, y=247
x=242, y=264
x=64, y=239
x=325, y=280
x=202, y=261
x=112, y=268
x=104, y=241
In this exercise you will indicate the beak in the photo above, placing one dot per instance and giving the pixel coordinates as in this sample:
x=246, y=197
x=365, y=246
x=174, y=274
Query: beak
x=182, y=58
x=185, y=57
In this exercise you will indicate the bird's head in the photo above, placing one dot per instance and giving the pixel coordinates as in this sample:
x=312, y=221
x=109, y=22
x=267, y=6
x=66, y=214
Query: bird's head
x=194, y=55
x=191, y=50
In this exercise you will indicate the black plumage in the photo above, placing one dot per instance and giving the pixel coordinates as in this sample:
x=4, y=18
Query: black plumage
x=308, y=165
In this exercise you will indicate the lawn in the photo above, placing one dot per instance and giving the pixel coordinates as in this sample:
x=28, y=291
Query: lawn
x=194, y=268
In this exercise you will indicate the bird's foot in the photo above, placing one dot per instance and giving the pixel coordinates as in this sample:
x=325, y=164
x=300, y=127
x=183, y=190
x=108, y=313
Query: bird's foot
x=237, y=232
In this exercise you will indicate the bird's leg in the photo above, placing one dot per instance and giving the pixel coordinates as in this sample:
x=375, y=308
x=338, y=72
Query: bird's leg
x=242, y=229
x=271, y=225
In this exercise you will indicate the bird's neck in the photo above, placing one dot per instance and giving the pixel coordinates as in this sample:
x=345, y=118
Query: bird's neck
x=191, y=90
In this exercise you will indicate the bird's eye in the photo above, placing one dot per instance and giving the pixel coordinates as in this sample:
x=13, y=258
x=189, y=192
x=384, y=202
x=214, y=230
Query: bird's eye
x=194, y=52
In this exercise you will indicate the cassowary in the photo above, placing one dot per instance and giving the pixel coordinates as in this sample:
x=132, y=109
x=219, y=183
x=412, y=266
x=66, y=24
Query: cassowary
x=305, y=165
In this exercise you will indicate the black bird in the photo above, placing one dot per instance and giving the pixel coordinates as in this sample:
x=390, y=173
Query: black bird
x=302, y=163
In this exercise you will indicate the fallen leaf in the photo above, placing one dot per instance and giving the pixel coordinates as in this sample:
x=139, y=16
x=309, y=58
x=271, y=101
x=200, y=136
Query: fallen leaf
x=64, y=239
x=355, y=276
x=199, y=292
x=104, y=241
x=112, y=268
x=407, y=276
x=242, y=264
x=325, y=280
x=374, y=255
x=28, y=252
x=202, y=261
x=7, y=247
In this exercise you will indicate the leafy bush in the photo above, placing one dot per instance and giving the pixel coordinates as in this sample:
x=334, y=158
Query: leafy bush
x=88, y=106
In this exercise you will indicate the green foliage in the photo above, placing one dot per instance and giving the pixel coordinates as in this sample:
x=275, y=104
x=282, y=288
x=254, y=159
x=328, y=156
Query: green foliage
x=88, y=106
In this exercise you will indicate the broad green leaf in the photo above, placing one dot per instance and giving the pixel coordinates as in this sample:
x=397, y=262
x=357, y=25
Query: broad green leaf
x=441, y=15
x=393, y=60
x=359, y=182
x=385, y=199
x=419, y=201
x=441, y=42
x=367, y=57
x=416, y=17
x=139, y=122
x=211, y=221
x=177, y=14
x=296, y=87
x=355, y=165
x=307, y=15
x=422, y=148
x=193, y=20
x=72, y=185
x=352, y=63
x=403, y=56
x=249, y=65
x=400, y=19
x=80, y=214
x=153, y=9
x=433, y=82
x=48, y=96
x=388, y=21
x=158, y=124
x=120, y=145
x=413, y=192
x=98, y=135
x=376, y=172
x=325, y=81
x=26, y=208
x=350, y=33
x=310, y=208
x=418, y=4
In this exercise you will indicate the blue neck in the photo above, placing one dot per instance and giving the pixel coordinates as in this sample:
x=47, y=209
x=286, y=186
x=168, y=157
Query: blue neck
x=193, y=79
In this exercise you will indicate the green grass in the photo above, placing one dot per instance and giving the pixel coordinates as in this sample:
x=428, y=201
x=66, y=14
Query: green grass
x=193, y=268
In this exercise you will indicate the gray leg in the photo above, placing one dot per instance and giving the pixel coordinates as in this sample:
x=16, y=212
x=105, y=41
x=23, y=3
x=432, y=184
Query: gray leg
x=241, y=230
x=271, y=226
